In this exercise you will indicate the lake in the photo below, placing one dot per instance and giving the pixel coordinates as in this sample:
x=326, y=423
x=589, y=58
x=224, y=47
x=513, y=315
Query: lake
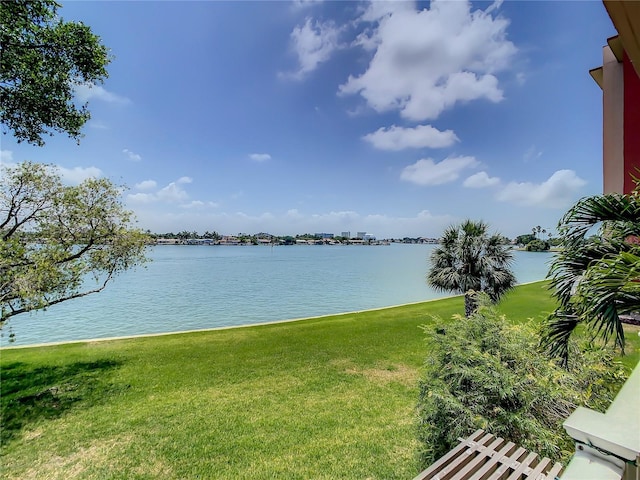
x=200, y=287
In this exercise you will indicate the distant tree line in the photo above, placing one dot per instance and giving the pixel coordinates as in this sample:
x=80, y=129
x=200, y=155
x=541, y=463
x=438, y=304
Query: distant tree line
x=281, y=239
x=539, y=240
x=185, y=235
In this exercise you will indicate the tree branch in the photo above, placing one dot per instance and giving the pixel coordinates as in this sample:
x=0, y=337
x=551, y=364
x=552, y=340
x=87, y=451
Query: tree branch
x=18, y=311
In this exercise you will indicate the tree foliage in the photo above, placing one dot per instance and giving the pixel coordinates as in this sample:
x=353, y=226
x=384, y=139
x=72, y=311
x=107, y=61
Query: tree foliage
x=525, y=239
x=42, y=60
x=538, y=246
x=485, y=372
x=469, y=259
x=596, y=278
x=60, y=242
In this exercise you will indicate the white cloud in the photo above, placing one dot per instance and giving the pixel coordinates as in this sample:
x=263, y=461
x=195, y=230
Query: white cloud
x=377, y=10
x=481, y=180
x=299, y=4
x=532, y=153
x=399, y=138
x=142, y=197
x=494, y=6
x=146, y=185
x=427, y=61
x=6, y=156
x=313, y=43
x=193, y=204
x=260, y=157
x=294, y=214
x=173, y=192
x=374, y=13
x=97, y=125
x=134, y=157
x=558, y=191
x=428, y=172
x=72, y=176
x=77, y=175
x=89, y=91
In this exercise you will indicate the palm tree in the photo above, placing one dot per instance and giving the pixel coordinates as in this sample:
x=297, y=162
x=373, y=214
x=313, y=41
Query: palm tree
x=596, y=278
x=469, y=260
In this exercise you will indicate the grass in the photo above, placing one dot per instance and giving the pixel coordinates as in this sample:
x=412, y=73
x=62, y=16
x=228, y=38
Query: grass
x=321, y=398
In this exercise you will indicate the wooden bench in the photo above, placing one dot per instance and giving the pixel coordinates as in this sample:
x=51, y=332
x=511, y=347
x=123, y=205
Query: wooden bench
x=485, y=457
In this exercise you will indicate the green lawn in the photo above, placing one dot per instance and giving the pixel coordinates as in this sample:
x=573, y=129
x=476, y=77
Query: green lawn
x=322, y=398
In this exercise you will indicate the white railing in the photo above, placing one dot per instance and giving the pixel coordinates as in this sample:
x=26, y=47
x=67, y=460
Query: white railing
x=607, y=444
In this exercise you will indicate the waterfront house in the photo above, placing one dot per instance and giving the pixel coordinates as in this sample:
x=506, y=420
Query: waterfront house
x=229, y=240
x=168, y=241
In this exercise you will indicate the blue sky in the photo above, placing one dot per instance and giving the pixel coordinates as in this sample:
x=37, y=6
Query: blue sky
x=397, y=119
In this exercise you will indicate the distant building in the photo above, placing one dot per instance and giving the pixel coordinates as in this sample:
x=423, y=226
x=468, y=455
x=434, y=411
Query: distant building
x=361, y=235
x=345, y=234
x=229, y=240
x=324, y=235
x=168, y=241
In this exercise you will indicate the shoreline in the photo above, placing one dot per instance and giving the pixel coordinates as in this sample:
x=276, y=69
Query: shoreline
x=228, y=327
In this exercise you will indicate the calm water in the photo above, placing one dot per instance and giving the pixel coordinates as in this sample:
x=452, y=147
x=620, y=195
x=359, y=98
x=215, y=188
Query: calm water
x=197, y=287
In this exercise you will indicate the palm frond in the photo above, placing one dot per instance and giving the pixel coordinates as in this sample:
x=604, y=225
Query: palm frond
x=617, y=209
x=610, y=287
x=573, y=260
x=595, y=279
x=555, y=334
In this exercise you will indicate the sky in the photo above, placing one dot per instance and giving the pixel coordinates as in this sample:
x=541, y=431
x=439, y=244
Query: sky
x=392, y=118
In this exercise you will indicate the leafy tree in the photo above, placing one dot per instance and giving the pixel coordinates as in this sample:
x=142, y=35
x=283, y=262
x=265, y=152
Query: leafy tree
x=468, y=259
x=184, y=235
x=596, y=278
x=486, y=373
x=553, y=241
x=538, y=245
x=288, y=240
x=212, y=235
x=60, y=242
x=525, y=239
x=42, y=60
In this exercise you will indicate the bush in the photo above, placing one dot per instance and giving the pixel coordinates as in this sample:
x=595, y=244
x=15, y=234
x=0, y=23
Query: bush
x=525, y=239
x=484, y=372
x=537, y=246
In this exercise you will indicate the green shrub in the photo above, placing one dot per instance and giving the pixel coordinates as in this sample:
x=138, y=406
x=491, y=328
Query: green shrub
x=486, y=373
x=537, y=246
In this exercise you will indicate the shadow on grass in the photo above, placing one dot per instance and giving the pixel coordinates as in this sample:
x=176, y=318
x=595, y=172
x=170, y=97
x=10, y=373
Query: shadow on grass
x=29, y=394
